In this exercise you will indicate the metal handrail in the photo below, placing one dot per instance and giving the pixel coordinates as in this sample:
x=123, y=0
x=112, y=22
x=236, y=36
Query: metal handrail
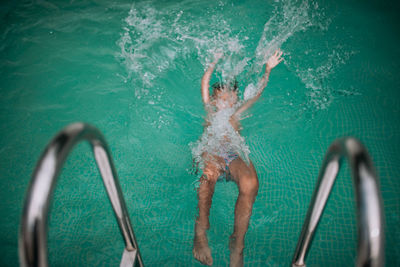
x=33, y=231
x=369, y=203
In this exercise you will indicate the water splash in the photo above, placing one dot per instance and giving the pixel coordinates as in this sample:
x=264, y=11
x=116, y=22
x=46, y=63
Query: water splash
x=146, y=50
x=154, y=39
x=220, y=139
x=317, y=78
x=289, y=18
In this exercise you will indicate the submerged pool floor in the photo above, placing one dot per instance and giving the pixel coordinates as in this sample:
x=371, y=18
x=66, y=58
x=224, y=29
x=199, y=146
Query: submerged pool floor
x=133, y=70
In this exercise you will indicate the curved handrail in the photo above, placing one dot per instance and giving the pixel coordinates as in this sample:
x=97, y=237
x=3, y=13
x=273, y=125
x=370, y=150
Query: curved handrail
x=33, y=231
x=369, y=203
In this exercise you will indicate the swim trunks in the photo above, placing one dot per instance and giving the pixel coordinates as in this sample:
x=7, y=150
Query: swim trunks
x=228, y=158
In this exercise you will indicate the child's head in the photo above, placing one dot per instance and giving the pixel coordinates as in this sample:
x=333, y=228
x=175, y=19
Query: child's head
x=224, y=95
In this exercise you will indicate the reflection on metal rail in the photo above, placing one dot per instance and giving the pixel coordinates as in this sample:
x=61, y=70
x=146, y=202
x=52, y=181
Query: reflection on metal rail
x=369, y=203
x=33, y=231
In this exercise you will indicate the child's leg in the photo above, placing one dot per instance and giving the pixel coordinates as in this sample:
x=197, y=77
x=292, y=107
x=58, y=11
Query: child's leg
x=201, y=250
x=247, y=181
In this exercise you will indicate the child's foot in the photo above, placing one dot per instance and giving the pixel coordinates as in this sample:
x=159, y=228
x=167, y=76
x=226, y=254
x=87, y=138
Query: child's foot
x=201, y=250
x=236, y=255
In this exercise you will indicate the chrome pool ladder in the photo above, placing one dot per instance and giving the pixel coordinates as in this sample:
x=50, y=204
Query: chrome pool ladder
x=33, y=231
x=370, y=217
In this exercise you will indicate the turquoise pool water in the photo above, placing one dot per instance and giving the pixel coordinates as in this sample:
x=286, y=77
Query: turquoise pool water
x=133, y=69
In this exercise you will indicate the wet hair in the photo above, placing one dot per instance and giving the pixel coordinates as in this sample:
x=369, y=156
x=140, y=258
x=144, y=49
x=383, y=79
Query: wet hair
x=218, y=86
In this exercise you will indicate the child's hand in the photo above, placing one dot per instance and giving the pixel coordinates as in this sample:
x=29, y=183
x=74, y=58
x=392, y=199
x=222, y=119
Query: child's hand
x=218, y=56
x=274, y=60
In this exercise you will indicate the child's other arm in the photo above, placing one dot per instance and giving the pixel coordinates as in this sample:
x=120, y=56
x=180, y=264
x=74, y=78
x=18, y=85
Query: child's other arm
x=205, y=81
x=274, y=60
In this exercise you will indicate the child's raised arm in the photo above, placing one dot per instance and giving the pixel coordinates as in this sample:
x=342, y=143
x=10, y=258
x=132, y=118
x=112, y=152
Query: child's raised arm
x=205, y=81
x=274, y=60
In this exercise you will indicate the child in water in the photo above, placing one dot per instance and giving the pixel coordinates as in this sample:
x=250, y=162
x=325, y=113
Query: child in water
x=223, y=158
